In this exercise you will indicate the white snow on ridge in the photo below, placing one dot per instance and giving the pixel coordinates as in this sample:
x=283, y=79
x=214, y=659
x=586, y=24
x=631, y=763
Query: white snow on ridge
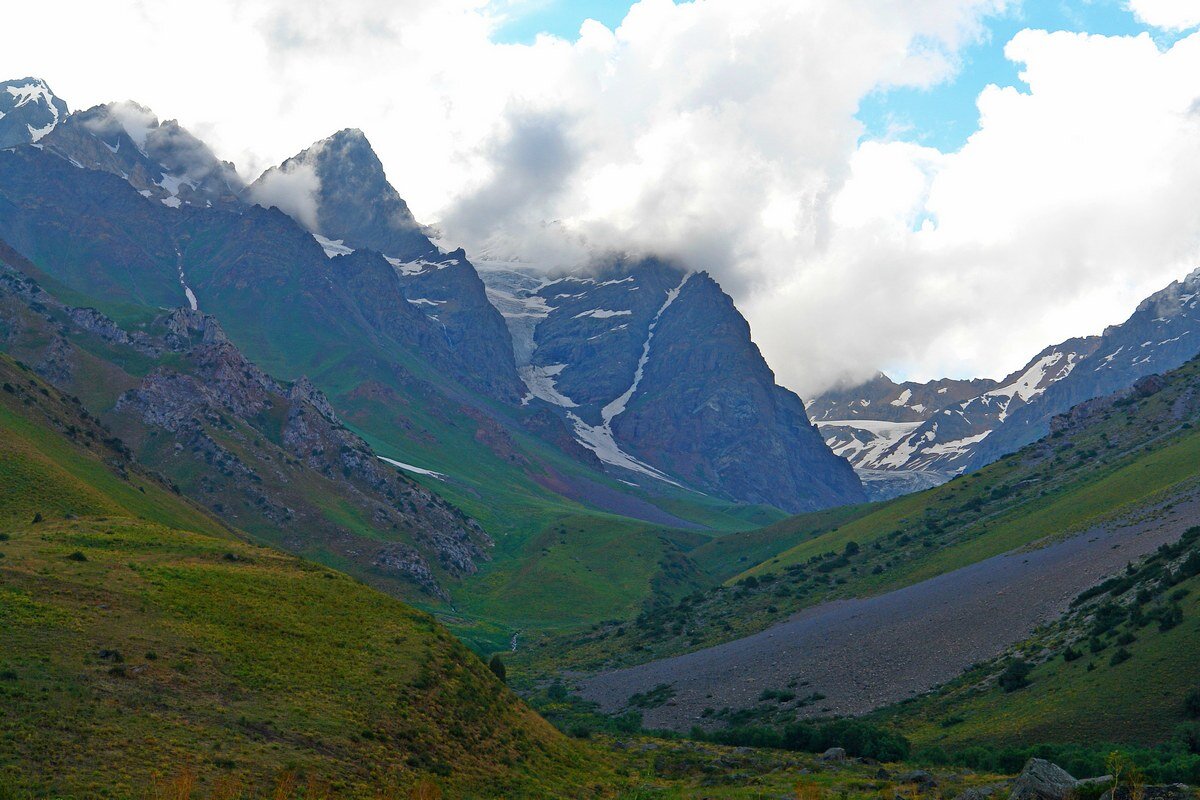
x=603, y=313
x=903, y=399
x=617, y=406
x=599, y=439
x=420, y=265
x=332, y=247
x=36, y=92
x=411, y=468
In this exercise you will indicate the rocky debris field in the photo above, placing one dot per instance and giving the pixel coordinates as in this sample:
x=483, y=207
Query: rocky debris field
x=857, y=655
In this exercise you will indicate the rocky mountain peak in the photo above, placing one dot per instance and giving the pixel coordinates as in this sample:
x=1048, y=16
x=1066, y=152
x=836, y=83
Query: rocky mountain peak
x=338, y=188
x=160, y=159
x=28, y=111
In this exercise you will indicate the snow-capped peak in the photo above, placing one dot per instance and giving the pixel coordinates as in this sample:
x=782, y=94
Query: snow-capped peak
x=28, y=111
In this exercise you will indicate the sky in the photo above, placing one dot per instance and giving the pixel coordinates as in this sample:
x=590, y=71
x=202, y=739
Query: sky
x=927, y=187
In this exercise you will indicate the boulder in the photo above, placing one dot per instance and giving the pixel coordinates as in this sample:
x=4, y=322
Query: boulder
x=922, y=779
x=834, y=754
x=1041, y=780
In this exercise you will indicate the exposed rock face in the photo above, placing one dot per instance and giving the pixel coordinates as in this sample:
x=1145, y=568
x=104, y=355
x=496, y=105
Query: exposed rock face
x=655, y=372
x=29, y=111
x=352, y=200
x=161, y=160
x=262, y=454
x=354, y=207
x=707, y=409
x=222, y=386
x=1041, y=780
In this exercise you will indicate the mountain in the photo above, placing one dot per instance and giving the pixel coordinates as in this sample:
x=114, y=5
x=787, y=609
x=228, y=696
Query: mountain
x=337, y=188
x=133, y=611
x=28, y=111
x=1162, y=333
x=906, y=437
x=911, y=436
x=655, y=370
x=269, y=457
x=161, y=160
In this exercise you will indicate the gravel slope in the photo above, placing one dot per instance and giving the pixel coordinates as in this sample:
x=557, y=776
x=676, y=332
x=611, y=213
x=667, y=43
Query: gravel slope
x=866, y=653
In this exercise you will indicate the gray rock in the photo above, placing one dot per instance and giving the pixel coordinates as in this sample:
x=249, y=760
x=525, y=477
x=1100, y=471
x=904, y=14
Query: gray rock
x=1042, y=780
x=922, y=779
x=834, y=754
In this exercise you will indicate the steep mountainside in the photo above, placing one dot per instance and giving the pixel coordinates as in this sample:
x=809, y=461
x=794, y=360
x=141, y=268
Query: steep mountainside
x=268, y=457
x=28, y=111
x=127, y=612
x=619, y=356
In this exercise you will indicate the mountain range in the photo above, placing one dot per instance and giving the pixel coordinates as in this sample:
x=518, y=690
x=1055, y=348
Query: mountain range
x=909, y=436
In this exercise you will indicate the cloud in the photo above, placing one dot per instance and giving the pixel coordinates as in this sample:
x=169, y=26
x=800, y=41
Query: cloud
x=720, y=133
x=1173, y=15
x=294, y=192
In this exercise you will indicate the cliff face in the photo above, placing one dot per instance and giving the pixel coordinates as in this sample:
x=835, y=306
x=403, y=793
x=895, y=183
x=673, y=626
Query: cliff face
x=707, y=409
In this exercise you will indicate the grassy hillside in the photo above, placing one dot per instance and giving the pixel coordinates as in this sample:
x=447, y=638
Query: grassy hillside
x=128, y=615
x=1115, y=458
x=518, y=486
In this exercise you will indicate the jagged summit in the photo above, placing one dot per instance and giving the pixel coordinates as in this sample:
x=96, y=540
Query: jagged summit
x=337, y=188
x=29, y=111
x=160, y=159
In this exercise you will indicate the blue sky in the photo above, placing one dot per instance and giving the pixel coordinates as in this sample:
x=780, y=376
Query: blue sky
x=943, y=116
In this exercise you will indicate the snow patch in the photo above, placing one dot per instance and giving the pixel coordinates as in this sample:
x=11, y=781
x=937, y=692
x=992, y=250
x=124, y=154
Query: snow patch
x=410, y=468
x=332, y=247
x=603, y=313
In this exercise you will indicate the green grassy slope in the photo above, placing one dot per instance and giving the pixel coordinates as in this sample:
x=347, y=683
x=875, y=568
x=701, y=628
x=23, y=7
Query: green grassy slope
x=130, y=616
x=1122, y=458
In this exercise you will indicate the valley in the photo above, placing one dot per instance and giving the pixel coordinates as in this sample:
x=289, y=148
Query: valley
x=294, y=495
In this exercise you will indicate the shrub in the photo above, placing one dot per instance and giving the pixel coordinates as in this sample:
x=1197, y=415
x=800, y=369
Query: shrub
x=1120, y=657
x=496, y=665
x=1071, y=654
x=1191, y=703
x=1015, y=676
x=77, y=556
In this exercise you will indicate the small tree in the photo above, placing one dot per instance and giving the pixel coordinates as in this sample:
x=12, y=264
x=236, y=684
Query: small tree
x=1015, y=676
x=497, y=667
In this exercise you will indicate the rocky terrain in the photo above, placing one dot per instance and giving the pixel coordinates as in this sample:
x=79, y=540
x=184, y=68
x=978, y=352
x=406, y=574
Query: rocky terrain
x=265, y=455
x=864, y=654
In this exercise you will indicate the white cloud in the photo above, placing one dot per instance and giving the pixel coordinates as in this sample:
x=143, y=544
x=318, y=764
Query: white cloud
x=720, y=132
x=294, y=192
x=1174, y=15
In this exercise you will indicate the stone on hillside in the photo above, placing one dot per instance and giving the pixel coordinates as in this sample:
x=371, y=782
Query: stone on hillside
x=920, y=777
x=1041, y=780
x=834, y=754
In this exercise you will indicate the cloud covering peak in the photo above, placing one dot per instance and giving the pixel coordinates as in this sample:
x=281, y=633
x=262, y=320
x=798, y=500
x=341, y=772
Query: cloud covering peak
x=725, y=135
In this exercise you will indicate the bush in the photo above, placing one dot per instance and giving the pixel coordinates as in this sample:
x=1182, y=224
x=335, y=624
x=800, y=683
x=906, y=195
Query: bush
x=496, y=665
x=1120, y=657
x=1191, y=703
x=1015, y=676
